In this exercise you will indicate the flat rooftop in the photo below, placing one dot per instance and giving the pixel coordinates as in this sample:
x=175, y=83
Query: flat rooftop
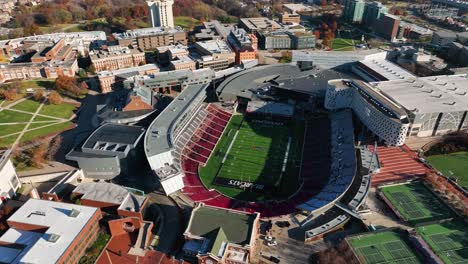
x=111, y=193
x=237, y=226
x=436, y=94
x=153, y=31
x=113, y=133
x=61, y=221
x=259, y=23
x=129, y=72
x=386, y=69
x=215, y=46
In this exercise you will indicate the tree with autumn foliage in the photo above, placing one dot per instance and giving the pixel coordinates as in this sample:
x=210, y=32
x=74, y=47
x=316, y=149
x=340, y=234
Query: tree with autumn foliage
x=69, y=86
x=55, y=98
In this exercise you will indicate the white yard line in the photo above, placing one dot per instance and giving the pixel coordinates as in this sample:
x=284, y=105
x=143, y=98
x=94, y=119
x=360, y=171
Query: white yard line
x=230, y=146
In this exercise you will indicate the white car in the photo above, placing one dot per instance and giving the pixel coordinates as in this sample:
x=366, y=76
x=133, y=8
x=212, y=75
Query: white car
x=272, y=243
x=269, y=238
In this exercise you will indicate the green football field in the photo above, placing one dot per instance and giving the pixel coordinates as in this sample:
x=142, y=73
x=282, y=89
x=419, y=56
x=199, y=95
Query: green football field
x=383, y=247
x=255, y=145
x=255, y=152
x=448, y=240
x=416, y=203
x=454, y=165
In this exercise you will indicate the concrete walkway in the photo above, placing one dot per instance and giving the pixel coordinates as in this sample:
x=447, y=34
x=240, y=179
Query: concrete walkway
x=25, y=129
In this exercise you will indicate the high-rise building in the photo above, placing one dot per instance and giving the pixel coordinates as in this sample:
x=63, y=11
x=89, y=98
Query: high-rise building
x=353, y=10
x=372, y=12
x=161, y=13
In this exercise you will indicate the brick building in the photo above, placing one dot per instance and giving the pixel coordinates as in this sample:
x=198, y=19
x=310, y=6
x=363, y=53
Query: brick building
x=116, y=57
x=152, y=38
x=109, y=80
x=49, y=232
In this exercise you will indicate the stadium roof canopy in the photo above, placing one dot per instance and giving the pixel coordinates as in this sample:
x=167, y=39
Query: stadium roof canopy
x=436, y=94
x=282, y=76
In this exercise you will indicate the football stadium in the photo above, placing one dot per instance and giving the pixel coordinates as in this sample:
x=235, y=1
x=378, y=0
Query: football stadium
x=266, y=144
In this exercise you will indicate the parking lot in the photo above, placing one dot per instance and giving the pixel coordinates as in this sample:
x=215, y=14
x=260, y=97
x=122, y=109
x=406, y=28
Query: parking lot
x=289, y=248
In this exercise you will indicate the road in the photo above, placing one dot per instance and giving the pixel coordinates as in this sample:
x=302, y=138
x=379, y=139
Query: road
x=170, y=229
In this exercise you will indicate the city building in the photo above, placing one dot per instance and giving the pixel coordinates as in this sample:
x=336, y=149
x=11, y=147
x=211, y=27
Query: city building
x=372, y=12
x=274, y=40
x=387, y=26
x=116, y=57
x=213, y=30
x=290, y=18
x=443, y=38
x=111, y=198
x=302, y=40
x=413, y=31
x=80, y=42
x=148, y=87
x=49, y=59
x=9, y=182
x=131, y=243
x=44, y=231
x=221, y=235
x=110, y=151
x=215, y=54
x=161, y=13
x=243, y=44
x=376, y=68
x=111, y=80
x=165, y=54
x=353, y=10
x=257, y=24
x=151, y=38
x=183, y=62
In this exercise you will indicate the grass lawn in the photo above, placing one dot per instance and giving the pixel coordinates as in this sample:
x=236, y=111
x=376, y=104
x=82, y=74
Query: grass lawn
x=383, y=247
x=8, y=141
x=27, y=105
x=186, y=22
x=416, y=203
x=61, y=28
x=63, y=110
x=37, y=84
x=256, y=156
x=341, y=44
x=448, y=240
x=10, y=129
x=35, y=125
x=43, y=118
x=8, y=116
x=45, y=131
x=453, y=165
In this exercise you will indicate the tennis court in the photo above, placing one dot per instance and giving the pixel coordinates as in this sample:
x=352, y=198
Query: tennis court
x=416, y=203
x=383, y=247
x=448, y=240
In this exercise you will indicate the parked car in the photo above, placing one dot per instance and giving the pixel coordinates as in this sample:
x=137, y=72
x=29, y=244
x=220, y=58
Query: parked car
x=274, y=259
x=272, y=243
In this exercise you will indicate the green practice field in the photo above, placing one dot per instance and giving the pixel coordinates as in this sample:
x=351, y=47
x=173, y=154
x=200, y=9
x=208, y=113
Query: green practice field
x=448, y=240
x=416, y=203
x=255, y=152
x=383, y=247
x=454, y=165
